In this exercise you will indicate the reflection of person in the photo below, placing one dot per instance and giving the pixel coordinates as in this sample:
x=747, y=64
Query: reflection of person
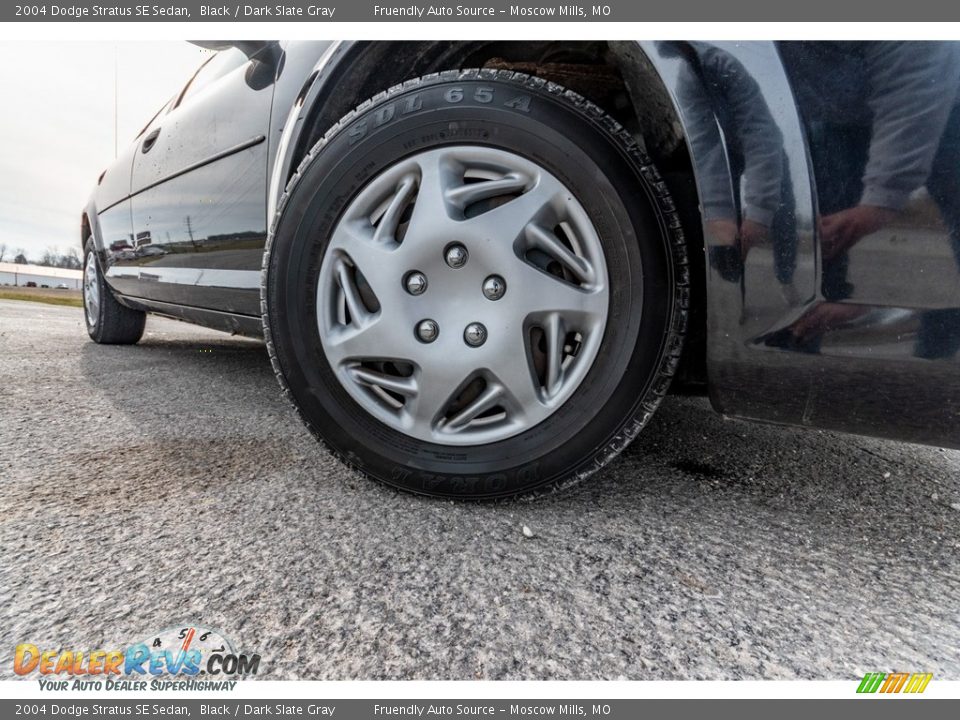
x=939, y=333
x=717, y=93
x=876, y=115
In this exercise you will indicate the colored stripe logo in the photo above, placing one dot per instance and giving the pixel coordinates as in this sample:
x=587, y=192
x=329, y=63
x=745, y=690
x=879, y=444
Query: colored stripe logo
x=895, y=682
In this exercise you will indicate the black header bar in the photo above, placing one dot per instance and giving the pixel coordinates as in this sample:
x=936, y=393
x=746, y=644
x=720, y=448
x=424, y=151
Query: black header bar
x=614, y=11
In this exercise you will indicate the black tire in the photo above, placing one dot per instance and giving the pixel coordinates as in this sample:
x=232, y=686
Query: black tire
x=610, y=175
x=113, y=323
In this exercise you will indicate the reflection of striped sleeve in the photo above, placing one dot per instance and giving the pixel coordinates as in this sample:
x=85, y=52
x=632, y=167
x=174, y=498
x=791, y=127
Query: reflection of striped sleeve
x=913, y=87
x=758, y=136
x=703, y=134
x=753, y=129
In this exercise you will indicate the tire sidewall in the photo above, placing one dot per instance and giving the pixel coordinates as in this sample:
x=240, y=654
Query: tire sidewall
x=544, y=127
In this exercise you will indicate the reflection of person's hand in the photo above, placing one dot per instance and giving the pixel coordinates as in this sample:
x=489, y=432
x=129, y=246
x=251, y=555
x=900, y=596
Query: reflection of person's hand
x=752, y=234
x=726, y=233
x=722, y=232
x=842, y=230
x=722, y=249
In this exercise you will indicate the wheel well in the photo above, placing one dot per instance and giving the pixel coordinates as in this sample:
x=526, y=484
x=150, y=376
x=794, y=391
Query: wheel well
x=617, y=76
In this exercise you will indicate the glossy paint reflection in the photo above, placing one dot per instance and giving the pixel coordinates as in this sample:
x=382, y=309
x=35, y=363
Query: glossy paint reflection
x=829, y=178
x=198, y=188
x=883, y=128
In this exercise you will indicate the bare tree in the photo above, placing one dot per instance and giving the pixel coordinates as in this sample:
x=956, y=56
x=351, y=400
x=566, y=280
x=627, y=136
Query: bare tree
x=53, y=257
x=49, y=257
x=71, y=259
x=3, y=251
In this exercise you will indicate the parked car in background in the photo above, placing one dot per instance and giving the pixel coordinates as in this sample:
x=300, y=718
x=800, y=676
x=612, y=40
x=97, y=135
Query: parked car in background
x=481, y=282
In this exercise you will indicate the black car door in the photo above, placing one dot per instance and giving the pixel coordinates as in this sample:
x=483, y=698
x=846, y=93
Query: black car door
x=198, y=189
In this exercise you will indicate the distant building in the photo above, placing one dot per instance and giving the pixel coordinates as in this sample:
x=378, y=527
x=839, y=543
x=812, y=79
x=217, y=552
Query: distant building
x=21, y=275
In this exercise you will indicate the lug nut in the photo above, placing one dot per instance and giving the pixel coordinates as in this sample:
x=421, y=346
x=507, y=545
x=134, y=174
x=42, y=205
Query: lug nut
x=427, y=331
x=415, y=282
x=475, y=334
x=456, y=255
x=494, y=287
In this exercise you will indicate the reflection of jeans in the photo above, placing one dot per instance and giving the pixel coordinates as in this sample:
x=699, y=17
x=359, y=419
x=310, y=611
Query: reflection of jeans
x=944, y=181
x=783, y=232
x=783, y=227
x=939, y=334
x=843, y=149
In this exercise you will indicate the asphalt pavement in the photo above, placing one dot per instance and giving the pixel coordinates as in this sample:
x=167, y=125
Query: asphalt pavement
x=166, y=483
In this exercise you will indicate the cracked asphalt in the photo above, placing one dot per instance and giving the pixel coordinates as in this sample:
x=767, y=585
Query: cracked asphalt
x=168, y=482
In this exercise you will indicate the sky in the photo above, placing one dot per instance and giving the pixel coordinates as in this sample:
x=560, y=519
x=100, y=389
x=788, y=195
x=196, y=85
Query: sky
x=57, y=127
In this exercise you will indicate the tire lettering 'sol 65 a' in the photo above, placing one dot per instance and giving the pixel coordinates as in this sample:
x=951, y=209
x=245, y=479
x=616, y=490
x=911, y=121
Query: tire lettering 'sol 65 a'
x=484, y=95
x=384, y=115
x=391, y=111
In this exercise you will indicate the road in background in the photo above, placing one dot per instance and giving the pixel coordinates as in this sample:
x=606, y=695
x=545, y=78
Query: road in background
x=143, y=487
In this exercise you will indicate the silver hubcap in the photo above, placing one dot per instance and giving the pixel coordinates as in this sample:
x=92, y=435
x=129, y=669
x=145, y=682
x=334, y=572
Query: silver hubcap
x=404, y=298
x=91, y=290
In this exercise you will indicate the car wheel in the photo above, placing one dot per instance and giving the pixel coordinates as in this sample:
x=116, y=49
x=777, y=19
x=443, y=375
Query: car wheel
x=475, y=286
x=108, y=322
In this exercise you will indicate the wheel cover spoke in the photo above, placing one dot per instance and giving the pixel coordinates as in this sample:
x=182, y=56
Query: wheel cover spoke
x=436, y=386
x=539, y=238
x=432, y=211
x=386, y=230
x=486, y=400
x=530, y=346
x=406, y=386
x=465, y=195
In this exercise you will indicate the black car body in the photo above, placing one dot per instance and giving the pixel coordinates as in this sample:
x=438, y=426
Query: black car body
x=817, y=184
